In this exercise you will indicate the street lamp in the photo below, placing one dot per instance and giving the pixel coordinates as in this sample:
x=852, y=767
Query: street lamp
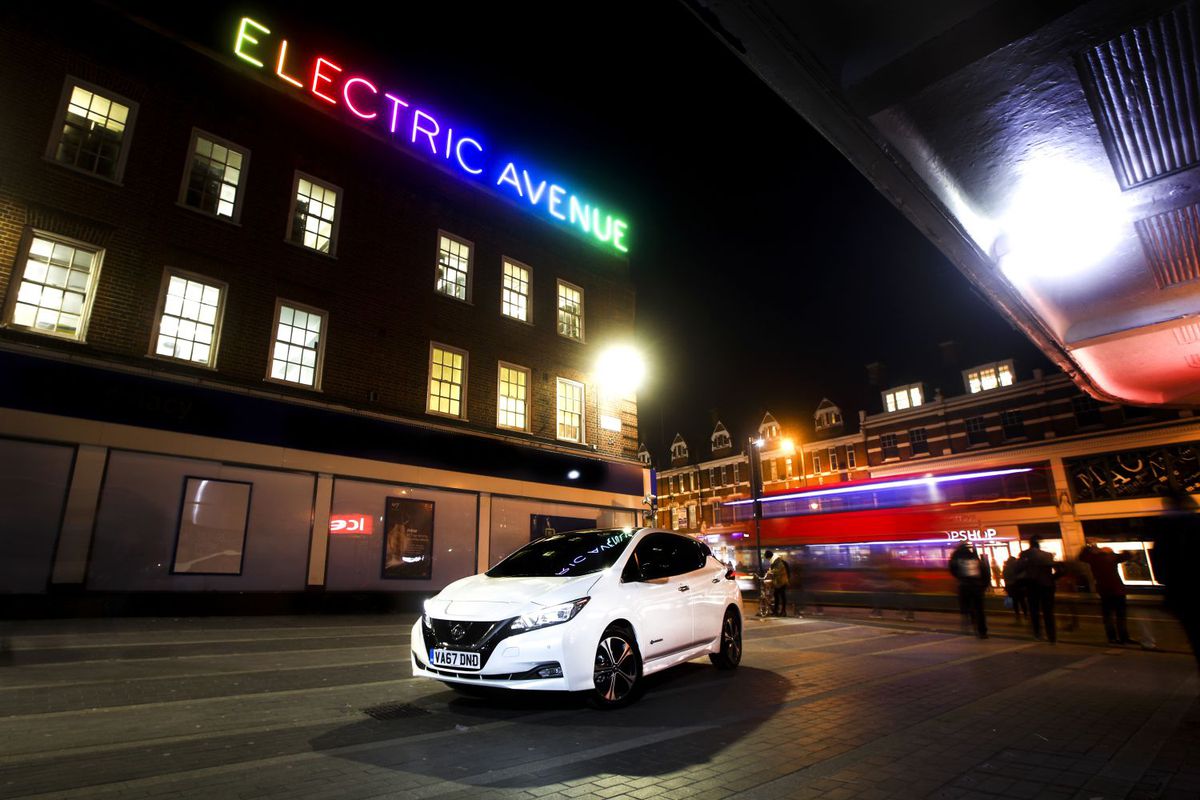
x=754, y=456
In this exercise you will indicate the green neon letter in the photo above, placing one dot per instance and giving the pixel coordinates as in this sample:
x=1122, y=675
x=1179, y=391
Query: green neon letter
x=581, y=214
x=243, y=37
x=619, y=228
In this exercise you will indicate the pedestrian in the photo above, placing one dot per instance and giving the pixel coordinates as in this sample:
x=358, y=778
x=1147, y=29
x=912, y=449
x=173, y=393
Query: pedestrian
x=971, y=574
x=1073, y=578
x=1015, y=590
x=779, y=574
x=1174, y=558
x=1111, y=589
x=1036, y=572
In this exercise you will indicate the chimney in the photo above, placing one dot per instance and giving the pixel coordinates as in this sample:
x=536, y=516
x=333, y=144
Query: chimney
x=876, y=374
x=949, y=352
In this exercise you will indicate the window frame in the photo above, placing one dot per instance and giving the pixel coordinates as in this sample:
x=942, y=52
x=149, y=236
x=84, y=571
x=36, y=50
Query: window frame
x=851, y=457
x=297, y=176
x=529, y=286
x=981, y=434
x=918, y=441
x=906, y=390
x=240, y=195
x=319, y=369
x=470, y=285
x=462, y=403
x=833, y=459
x=582, y=410
x=60, y=118
x=816, y=460
x=978, y=371
x=179, y=526
x=528, y=395
x=160, y=307
x=1013, y=431
x=582, y=338
x=890, y=452
x=17, y=276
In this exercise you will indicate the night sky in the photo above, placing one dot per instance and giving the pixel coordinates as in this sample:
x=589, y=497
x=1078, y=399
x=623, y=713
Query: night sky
x=768, y=271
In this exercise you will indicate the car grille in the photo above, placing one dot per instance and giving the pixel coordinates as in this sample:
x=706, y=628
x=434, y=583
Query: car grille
x=465, y=635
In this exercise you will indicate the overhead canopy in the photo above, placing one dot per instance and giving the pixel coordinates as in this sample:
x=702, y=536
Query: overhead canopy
x=1051, y=150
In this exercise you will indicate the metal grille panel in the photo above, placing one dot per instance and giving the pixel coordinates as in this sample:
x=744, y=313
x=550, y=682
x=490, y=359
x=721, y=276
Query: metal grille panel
x=1171, y=241
x=1144, y=86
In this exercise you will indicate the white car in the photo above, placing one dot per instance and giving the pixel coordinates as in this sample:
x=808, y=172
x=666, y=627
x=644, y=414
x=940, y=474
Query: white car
x=590, y=611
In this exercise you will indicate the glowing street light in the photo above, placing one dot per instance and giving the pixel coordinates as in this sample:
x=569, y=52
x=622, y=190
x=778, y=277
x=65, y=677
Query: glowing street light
x=620, y=370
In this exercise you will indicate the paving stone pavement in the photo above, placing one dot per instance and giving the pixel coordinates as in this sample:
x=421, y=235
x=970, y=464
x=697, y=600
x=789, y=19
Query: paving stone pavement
x=326, y=707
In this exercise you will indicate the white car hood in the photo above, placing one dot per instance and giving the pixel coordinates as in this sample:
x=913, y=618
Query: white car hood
x=480, y=598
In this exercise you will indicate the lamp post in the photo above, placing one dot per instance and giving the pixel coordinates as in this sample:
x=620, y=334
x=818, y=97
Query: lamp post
x=754, y=456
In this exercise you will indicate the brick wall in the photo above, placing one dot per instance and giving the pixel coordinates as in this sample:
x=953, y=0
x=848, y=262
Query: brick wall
x=378, y=290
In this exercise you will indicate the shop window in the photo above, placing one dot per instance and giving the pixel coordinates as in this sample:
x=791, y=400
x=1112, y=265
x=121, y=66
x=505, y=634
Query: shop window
x=92, y=130
x=570, y=410
x=214, y=176
x=212, y=527
x=514, y=301
x=313, y=222
x=1013, y=423
x=512, y=397
x=190, y=308
x=53, y=293
x=976, y=431
x=298, y=352
x=447, y=381
x=453, y=267
x=918, y=440
x=887, y=443
x=570, y=311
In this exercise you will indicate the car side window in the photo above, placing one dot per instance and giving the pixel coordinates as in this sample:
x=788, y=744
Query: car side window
x=661, y=555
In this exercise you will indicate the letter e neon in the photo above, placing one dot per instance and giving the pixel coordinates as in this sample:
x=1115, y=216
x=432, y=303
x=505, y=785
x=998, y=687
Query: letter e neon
x=243, y=37
x=556, y=198
x=318, y=77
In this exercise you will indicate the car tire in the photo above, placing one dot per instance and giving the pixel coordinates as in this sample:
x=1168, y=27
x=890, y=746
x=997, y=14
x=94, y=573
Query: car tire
x=617, y=669
x=730, y=654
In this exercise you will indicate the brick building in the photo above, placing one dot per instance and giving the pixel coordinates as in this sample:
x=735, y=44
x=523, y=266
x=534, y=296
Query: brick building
x=254, y=342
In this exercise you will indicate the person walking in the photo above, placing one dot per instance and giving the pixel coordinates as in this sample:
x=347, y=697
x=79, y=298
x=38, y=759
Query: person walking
x=971, y=574
x=1036, y=571
x=778, y=572
x=1111, y=589
x=1174, y=558
x=1015, y=589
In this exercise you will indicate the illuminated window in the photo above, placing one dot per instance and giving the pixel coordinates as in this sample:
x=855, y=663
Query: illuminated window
x=976, y=431
x=214, y=176
x=514, y=301
x=314, y=219
x=447, y=380
x=92, y=130
x=570, y=411
x=299, y=347
x=888, y=444
x=988, y=376
x=54, y=292
x=570, y=311
x=903, y=397
x=189, y=318
x=1013, y=423
x=512, y=397
x=918, y=439
x=833, y=459
x=850, y=457
x=453, y=267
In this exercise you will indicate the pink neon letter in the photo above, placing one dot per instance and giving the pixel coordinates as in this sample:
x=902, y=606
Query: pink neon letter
x=279, y=65
x=396, y=103
x=318, y=77
x=346, y=96
x=430, y=133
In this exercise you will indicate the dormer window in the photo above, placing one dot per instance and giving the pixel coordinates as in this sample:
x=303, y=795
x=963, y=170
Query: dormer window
x=720, y=438
x=903, y=397
x=644, y=455
x=988, y=376
x=679, y=449
x=769, y=428
x=827, y=416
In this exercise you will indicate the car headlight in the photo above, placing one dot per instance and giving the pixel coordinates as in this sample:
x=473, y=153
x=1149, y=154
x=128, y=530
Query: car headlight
x=554, y=615
x=425, y=615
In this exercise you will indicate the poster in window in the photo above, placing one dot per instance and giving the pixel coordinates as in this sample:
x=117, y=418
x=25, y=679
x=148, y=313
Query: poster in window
x=547, y=525
x=408, y=539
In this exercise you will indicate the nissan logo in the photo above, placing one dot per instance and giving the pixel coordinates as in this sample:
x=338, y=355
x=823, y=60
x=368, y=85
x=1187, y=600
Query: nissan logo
x=458, y=632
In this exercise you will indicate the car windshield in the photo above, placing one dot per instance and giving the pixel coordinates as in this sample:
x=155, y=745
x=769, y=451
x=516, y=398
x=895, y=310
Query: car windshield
x=565, y=554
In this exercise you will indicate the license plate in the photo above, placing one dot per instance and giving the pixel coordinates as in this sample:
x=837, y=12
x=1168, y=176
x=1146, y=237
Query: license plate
x=454, y=659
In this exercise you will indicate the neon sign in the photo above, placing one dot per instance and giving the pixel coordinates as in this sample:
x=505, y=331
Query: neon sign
x=974, y=535
x=351, y=524
x=418, y=129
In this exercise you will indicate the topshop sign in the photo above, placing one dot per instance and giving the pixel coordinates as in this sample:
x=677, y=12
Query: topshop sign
x=394, y=113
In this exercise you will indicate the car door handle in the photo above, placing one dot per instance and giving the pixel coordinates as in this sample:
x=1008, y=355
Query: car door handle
x=716, y=580
x=684, y=588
